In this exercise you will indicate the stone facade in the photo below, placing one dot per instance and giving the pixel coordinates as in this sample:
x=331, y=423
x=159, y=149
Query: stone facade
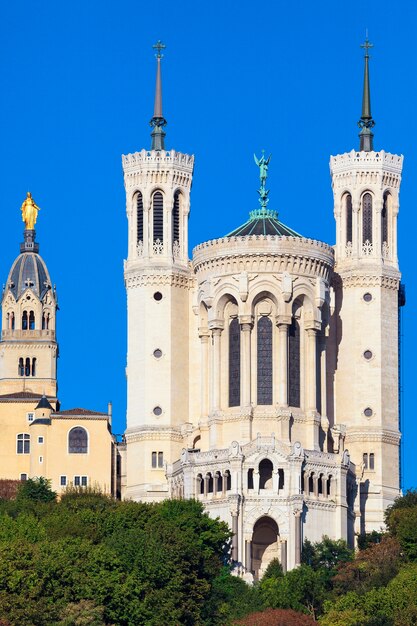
x=263, y=372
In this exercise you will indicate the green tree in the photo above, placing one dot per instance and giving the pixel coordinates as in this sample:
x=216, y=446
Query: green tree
x=373, y=567
x=402, y=524
x=36, y=489
x=302, y=589
x=274, y=570
x=327, y=553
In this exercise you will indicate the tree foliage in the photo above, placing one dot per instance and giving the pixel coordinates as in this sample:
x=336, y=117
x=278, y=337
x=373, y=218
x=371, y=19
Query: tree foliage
x=90, y=560
x=276, y=617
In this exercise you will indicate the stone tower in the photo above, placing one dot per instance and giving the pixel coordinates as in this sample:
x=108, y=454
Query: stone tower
x=366, y=185
x=28, y=347
x=158, y=281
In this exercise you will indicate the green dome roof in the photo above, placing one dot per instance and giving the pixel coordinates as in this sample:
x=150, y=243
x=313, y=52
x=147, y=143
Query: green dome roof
x=263, y=222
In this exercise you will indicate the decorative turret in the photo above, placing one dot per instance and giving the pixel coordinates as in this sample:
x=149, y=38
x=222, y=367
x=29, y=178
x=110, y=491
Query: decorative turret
x=28, y=343
x=158, y=121
x=366, y=122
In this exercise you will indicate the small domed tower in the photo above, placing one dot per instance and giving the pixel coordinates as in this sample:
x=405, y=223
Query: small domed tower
x=28, y=347
x=158, y=281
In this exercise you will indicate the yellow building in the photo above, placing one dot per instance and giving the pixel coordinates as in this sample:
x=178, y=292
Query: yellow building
x=71, y=447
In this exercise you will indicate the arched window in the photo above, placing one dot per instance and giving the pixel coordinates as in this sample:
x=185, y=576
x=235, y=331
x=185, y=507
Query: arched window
x=384, y=219
x=367, y=218
x=31, y=320
x=45, y=321
x=25, y=320
x=27, y=366
x=294, y=364
x=228, y=479
x=280, y=479
x=234, y=363
x=329, y=486
x=139, y=217
x=158, y=217
x=264, y=361
x=250, y=478
x=21, y=368
x=200, y=484
x=265, y=474
x=23, y=443
x=33, y=367
x=209, y=479
x=348, y=207
x=219, y=482
x=176, y=219
x=78, y=440
x=12, y=320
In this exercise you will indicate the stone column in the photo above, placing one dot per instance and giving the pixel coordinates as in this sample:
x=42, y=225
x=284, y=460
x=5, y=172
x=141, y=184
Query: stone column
x=215, y=369
x=248, y=556
x=356, y=230
x=203, y=333
x=306, y=483
x=297, y=537
x=312, y=382
x=235, y=538
x=283, y=363
x=256, y=481
x=147, y=234
x=245, y=359
x=377, y=232
x=284, y=555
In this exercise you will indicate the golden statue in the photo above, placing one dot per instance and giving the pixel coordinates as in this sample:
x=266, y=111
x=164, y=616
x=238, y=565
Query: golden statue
x=29, y=211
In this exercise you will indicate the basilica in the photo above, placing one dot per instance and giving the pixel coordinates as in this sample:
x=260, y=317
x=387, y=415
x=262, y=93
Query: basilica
x=262, y=372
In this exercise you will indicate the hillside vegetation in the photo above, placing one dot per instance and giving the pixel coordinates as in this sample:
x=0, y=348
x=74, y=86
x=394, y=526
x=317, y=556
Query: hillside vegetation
x=90, y=561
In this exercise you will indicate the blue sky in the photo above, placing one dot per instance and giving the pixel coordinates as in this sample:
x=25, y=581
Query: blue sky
x=77, y=91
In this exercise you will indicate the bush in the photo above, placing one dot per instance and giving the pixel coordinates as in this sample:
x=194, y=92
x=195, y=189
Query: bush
x=36, y=489
x=276, y=617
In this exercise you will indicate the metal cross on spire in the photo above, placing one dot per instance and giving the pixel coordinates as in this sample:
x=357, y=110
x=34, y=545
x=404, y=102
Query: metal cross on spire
x=159, y=46
x=367, y=45
x=366, y=122
x=158, y=121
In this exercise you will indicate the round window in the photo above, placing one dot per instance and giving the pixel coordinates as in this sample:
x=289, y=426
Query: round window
x=367, y=297
x=157, y=411
x=157, y=296
x=157, y=353
x=368, y=412
x=367, y=354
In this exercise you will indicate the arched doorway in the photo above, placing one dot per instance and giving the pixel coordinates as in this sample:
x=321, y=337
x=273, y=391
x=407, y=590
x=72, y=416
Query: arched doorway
x=265, y=546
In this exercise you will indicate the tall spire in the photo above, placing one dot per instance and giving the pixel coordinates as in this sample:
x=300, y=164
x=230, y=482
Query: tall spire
x=158, y=121
x=366, y=122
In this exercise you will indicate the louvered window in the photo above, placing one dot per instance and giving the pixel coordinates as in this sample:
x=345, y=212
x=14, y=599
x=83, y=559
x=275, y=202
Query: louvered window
x=348, y=218
x=264, y=361
x=367, y=218
x=139, y=209
x=158, y=217
x=176, y=219
x=294, y=364
x=234, y=363
x=384, y=219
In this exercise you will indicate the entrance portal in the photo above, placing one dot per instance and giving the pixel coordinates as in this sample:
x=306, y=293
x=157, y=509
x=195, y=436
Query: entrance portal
x=265, y=546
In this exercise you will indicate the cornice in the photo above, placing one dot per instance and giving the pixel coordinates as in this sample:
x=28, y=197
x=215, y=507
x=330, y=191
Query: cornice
x=258, y=253
x=136, y=278
x=153, y=433
x=385, y=436
x=345, y=278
